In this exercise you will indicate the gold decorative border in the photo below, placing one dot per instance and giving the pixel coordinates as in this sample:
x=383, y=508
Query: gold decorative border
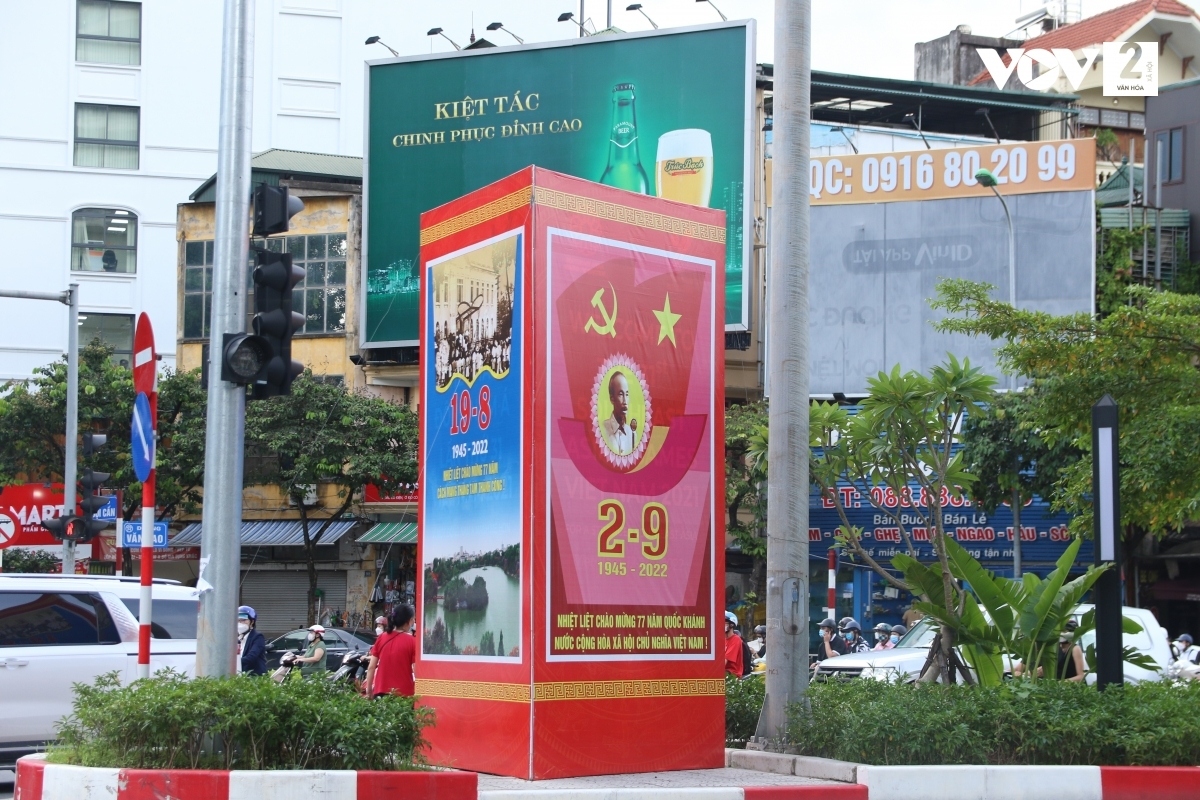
x=474, y=690
x=633, y=216
x=572, y=690
x=476, y=216
x=620, y=690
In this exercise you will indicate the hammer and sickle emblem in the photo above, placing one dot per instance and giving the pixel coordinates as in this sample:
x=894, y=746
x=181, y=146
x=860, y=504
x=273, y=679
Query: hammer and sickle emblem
x=610, y=320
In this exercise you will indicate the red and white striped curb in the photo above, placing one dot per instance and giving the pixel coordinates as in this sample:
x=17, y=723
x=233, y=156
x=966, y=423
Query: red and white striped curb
x=822, y=792
x=952, y=782
x=37, y=779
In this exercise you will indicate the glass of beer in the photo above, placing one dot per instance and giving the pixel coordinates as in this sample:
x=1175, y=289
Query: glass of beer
x=684, y=168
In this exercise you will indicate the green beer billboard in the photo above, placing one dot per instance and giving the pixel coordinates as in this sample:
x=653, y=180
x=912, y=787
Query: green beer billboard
x=667, y=113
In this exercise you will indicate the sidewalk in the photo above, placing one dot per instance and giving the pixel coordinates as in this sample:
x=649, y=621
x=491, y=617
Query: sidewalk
x=727, y=783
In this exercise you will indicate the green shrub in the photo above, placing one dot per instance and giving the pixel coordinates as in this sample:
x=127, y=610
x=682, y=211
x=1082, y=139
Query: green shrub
x=1021, y=722
x=172, y=722
x=743, y=701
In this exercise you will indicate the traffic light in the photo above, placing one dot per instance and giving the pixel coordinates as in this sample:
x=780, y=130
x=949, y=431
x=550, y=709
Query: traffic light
x=273, y=208
x=263, y=359
x=70, y=526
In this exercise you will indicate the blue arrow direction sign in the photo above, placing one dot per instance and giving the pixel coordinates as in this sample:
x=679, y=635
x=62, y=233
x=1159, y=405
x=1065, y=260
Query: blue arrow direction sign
x=142, y=434
x=131, y=534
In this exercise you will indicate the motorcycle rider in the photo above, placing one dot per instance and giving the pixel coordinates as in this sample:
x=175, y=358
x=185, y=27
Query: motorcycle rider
x=897, y=632
x=852, y=633
x=831, y=645
x=882, y=632
x=733, y=647
x=1185, y=649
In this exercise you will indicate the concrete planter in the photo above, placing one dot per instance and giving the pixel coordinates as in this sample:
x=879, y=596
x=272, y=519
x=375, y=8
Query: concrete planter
x=37, y=779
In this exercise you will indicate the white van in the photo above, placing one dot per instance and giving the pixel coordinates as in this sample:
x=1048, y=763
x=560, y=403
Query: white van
x=57, y=630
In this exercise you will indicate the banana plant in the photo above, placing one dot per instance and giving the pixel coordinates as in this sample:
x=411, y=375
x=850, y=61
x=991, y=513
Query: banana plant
x=1001, y=616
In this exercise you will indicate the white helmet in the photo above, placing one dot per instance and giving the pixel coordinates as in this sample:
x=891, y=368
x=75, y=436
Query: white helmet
x=731, y=617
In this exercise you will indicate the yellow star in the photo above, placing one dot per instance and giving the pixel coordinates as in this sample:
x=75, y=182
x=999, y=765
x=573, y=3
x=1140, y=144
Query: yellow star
x=666, y=322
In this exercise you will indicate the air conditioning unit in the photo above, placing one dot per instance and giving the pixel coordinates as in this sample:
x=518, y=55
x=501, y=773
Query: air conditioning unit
x=310, y=496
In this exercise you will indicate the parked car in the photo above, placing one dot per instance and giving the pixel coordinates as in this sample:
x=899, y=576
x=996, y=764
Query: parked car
x=56, y=630
x=338, y=642
x=903, y=663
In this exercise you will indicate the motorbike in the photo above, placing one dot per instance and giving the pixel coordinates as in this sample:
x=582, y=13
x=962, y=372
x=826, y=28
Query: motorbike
x=1183, y=670
x=287, y=663
x=353, y=669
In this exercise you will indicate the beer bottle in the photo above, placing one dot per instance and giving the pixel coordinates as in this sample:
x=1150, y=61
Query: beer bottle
x=624, y=169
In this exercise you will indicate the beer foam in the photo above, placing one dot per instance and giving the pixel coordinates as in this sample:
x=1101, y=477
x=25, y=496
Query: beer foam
x=685, y=142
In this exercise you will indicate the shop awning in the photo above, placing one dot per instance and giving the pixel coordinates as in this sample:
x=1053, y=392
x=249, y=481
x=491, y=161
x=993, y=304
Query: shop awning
x=271, y=533
x=391, y=533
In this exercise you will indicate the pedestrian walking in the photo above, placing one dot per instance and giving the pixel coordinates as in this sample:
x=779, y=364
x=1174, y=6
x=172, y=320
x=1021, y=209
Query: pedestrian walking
x=313, y=660
x=252, y=646
x=393, y=657
x=734, y=661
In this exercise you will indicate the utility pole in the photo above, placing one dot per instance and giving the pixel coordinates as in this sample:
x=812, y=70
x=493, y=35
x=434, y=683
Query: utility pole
x=220, y=548
x=69, y=298
x=787, y=331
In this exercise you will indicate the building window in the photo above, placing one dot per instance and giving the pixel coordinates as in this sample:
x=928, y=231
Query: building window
x=197, y=289
x=1110, y=118
x=1172, y=149
x=1089, y=116
x=103, y=240
x=320, y=297
x=108, y=32
x=106, y=136
x=114, y=330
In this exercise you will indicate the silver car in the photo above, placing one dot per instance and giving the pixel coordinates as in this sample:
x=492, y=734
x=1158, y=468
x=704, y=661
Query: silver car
x=904, y=662
x=57, y=630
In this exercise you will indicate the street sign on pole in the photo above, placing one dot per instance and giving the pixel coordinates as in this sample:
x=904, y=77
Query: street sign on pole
x=1106, y=520
x=145, y=421
x=131, y=534
x=141, y=434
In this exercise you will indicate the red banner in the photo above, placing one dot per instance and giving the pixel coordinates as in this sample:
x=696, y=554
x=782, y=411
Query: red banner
x=22, y=509
x=407, y=493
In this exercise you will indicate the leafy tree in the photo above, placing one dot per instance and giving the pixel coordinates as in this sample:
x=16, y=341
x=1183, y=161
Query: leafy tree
x=33, y=416
x=745, y=484
x=1145, y=355
x=323, y=433
x=1005, y=451
x=905, y=433
x=30, y=561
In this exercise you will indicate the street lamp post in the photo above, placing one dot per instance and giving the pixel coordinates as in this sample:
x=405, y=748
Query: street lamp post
x=986, y=178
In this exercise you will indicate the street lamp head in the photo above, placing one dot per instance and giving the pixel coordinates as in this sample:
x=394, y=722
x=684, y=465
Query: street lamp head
x=986, y=178
x=634, y=7
x=566, y=16
x=434, y=31
x=495, y=26
x=371, y=40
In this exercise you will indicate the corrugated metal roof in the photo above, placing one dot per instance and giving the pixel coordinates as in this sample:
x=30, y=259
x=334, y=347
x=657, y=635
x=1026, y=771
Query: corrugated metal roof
x=1115, y=190
x=1119, y=217
x=277, y=160
x=391, y=533
x=277, y=533
x=269, y=165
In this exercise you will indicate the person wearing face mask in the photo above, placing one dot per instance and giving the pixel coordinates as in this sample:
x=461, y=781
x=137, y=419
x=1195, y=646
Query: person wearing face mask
x=390, y=668
x=897, y=632
x=252, y=646
x=313, y=660
x=882, y=632
x=852, y=633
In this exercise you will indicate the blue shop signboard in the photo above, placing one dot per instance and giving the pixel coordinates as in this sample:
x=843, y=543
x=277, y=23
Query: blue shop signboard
x=987, y=537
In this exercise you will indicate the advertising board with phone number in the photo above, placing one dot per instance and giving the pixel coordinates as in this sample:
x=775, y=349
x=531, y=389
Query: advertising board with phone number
x=1019, y=167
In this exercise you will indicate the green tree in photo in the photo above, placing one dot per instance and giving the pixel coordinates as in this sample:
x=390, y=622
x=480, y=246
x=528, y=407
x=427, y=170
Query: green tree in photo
x=746, y=485
x=1145, y=355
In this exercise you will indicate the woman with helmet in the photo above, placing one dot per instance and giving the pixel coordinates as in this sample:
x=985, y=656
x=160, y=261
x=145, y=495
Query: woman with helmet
x=252, y=647
x=852, y=633
x=897, y=632
x=882, y=633
x=313, y=660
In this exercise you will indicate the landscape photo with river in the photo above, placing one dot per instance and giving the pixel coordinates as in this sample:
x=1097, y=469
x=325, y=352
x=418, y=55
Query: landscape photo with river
x=472, y=604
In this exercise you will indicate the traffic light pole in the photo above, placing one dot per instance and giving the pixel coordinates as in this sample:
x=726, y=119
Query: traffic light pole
x=787, y=330
x=220, y=550
x=70, y=299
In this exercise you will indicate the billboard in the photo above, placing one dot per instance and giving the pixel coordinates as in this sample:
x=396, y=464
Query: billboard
x=570, y=522
x=888, y=227
x=665, y=113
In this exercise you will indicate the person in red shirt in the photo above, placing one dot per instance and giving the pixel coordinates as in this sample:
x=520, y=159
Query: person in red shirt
x=733, y=646
x=390, y=668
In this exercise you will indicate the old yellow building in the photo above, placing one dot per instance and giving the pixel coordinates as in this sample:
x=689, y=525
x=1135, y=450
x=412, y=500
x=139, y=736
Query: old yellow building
x=361, y=559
